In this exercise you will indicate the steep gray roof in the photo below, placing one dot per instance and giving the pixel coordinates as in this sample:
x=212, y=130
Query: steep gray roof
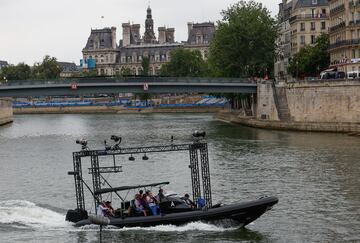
x=206, y=30
x=99, y=39
x=309, y=3
x=68, y=66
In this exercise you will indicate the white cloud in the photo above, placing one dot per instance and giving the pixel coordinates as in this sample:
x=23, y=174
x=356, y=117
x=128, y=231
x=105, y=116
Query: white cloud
x=32, y=29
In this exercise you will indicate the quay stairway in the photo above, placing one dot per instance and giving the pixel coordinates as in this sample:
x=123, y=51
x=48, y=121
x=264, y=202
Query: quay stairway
x=281, y=103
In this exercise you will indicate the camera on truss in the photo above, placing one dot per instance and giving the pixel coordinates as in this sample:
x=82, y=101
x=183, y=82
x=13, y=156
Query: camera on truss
x=83, y=143
x=115, y=138
x=198, y=134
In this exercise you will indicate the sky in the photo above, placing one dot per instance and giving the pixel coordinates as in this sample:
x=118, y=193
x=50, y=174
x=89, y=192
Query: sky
x=31, y=29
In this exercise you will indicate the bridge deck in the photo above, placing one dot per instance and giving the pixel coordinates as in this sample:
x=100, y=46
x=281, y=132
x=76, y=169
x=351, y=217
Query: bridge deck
x=135, y=85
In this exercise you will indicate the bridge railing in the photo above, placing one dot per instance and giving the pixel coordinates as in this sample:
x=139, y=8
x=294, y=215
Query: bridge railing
x=150, y=79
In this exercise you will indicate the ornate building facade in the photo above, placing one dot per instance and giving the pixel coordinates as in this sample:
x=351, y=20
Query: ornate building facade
x=108, y=57
x=302, y=21
x=345, y=35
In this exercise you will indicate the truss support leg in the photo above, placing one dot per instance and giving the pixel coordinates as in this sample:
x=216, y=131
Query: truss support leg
x=96, y=179
x=79, y=188
x=195, y=175
x=205, y=174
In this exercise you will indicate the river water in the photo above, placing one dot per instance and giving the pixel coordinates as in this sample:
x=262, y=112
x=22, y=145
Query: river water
x=316, y=177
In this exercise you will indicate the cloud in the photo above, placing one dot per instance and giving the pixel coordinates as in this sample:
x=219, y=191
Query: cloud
x=31, y=29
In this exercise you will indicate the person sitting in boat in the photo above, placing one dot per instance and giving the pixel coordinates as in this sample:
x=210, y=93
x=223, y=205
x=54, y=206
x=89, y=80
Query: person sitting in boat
x=188, y=201
x=111, y=210
x=152, y=203
x=160, y=196
x=139, y=208
x=103, y=210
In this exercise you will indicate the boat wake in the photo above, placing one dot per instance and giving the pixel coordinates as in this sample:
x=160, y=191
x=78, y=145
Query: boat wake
x=23, y=215
x=194, y=226
x=190, y=227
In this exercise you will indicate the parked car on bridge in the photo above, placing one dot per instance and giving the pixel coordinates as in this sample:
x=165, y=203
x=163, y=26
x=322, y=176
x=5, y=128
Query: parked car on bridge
x=332, y=74
x=353, y=75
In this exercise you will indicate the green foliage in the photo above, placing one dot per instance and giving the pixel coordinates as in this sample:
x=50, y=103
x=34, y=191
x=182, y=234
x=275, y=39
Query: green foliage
x=89, y=73
x=126, y=71
x=21, y=71
x=145, y=64
x=145, y=97
x=47, y=69
x=244, y=43
x=184, y=63
x=311, y=60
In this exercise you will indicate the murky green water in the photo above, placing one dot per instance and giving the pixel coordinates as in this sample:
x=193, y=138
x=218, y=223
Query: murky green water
x=315, y=175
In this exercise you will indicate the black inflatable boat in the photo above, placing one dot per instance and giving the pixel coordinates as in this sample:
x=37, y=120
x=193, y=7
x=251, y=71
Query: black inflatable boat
x=171, y=209
x=237, y=214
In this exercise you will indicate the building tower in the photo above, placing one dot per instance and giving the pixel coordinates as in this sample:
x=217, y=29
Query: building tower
x=149, y=35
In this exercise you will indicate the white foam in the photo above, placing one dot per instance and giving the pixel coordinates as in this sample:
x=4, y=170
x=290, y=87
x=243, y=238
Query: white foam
x=28, y=214
x=194, y=226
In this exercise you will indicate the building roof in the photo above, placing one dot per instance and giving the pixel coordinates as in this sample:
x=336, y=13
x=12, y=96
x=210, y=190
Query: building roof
x=100, y=39
x=206, y=30
x=68, y=66
x=309, y=3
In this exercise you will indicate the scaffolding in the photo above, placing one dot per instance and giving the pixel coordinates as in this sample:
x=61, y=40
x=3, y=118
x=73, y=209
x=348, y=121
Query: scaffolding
x=198, y=152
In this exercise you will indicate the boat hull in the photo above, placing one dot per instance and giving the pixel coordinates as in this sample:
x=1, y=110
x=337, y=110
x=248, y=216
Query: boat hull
x=238, y=213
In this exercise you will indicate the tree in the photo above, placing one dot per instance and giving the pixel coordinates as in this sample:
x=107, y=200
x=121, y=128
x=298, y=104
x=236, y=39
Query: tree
x=184, y=63
x=126, y=71
x=89, y=73
x=47, y=69
x=21, y=71
x=244, y=43
x=145, y=64
x=311, y=60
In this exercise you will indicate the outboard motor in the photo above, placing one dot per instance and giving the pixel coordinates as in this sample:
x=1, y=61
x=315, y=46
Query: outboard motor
x=76, y=215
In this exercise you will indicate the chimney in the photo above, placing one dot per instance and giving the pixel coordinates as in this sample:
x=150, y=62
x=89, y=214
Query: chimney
x=162, y=35
x=135, y=34
x=113, y=37
x=190, y=27
x=126, y=34
x=170, y=37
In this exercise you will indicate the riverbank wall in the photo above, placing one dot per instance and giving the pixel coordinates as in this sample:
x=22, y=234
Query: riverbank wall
x=340, y=127
x=114, y=110
x=321, y=106
x=6, y=111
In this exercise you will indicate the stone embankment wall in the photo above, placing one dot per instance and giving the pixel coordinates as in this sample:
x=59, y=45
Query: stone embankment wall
x=6, y=111
x=331, y=101
x=266, y=104
x=327, y=106
x=341, y=127
x=312, y=101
